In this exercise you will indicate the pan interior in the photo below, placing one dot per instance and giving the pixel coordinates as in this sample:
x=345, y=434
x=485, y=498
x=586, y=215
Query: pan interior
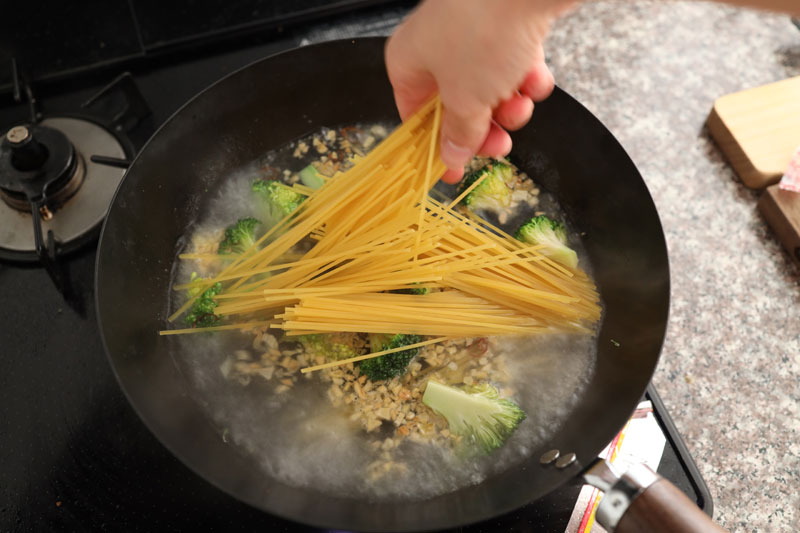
x=268, y=104
x=299, y=431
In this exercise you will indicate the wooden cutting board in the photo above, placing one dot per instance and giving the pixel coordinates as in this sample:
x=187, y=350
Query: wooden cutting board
x=758, y=130
x=781, y=209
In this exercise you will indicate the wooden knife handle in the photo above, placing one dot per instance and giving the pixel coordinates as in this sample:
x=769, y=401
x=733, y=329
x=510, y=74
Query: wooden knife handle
x=663, y=508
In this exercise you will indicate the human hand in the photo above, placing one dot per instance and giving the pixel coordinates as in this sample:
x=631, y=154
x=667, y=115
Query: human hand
x=485, y=58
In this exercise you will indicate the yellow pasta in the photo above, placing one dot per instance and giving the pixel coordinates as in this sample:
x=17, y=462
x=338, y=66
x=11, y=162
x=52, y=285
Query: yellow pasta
x=372, y=355
x=374, y=229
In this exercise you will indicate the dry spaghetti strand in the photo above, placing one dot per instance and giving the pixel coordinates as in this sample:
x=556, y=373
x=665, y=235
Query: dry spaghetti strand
x=374, y=230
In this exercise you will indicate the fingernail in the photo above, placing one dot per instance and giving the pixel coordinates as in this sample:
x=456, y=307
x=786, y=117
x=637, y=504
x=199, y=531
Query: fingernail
x=454, y=156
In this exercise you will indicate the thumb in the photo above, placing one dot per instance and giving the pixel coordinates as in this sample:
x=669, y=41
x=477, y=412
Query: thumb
x=463, y=131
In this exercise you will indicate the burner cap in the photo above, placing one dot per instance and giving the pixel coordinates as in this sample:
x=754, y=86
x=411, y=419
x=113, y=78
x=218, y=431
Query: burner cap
x=35, y=162
x=18, y=134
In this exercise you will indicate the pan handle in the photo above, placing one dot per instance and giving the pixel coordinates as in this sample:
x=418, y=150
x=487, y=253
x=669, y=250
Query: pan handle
x=642, y=501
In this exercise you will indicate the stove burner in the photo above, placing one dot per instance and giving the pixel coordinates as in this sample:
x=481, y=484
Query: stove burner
x=43, y=166
x=39, y=162
x=76, y=206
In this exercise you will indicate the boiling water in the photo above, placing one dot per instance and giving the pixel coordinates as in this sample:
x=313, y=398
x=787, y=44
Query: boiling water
x=298, y=437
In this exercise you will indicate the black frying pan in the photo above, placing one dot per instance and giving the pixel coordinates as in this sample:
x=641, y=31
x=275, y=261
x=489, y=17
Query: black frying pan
x=278, y=99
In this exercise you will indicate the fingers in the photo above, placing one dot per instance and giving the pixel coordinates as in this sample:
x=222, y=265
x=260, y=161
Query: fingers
x=409, y=101
x=453, y=176
x=469, y=124
x=539, y=82
x=497, y=143
x=464, y=131
x=514, y=113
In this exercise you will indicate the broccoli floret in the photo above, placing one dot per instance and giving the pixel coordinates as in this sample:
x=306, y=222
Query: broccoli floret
x=239, y=237
x=553, y=235
x=412, y=290
x=333, y=346
x=494, y=193
x=280, y=197
x=196, y=283
x=310, y=177
x=477, y=414
x=202, y=313
x=392, y=364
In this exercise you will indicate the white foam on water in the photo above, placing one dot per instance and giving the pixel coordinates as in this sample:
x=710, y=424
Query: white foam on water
x=299, y=438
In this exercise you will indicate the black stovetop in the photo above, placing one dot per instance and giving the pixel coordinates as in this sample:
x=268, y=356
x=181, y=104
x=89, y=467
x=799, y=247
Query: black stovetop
x=74, y=454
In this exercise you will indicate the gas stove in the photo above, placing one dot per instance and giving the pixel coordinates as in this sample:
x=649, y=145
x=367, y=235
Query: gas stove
x=75, y=454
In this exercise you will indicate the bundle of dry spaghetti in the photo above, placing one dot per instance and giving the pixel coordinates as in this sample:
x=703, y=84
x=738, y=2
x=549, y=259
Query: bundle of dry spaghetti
x=374, y=229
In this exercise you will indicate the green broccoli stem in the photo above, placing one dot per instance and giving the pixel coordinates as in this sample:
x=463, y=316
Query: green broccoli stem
x=483, y=419
x=552, y=236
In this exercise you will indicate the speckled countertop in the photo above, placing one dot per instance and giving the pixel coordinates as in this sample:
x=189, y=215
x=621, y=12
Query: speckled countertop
x=730, y=368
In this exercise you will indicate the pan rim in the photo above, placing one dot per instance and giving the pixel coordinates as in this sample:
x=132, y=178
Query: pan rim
x=310, y=519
